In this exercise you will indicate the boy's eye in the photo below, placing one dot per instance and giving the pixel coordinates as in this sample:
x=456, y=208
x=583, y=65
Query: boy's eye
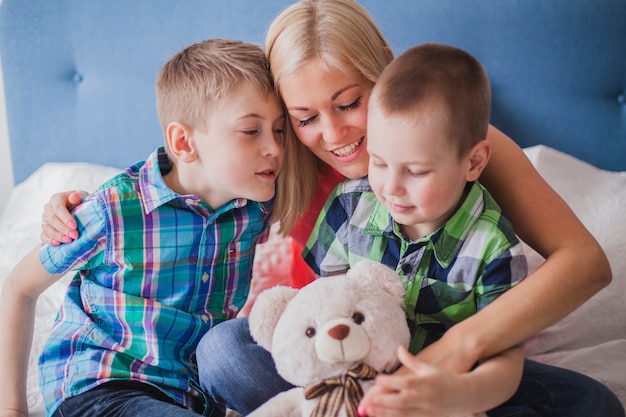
x=417, y=173
x=280, y=135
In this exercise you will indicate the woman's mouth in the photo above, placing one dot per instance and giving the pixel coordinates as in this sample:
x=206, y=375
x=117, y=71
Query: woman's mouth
x=348, y=149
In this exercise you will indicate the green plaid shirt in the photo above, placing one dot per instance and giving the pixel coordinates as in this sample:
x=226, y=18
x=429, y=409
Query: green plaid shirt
x=449, y=275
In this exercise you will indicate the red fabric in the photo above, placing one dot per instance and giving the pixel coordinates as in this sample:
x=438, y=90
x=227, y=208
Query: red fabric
x=301, y=273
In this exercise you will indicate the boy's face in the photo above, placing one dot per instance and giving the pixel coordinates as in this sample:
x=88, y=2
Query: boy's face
x=413, y=169
x=242, y=151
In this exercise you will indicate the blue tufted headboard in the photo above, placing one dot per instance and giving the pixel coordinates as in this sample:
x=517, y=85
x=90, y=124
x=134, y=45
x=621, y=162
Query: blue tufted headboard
x=79, y=75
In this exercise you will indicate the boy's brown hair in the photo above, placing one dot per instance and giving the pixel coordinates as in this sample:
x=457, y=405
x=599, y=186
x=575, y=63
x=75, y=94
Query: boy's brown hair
x=197, y=78
x=444, y=74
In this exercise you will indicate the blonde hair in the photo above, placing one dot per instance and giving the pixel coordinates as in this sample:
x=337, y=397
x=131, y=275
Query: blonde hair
x=446, y=74
x=342, y=35
x=197, y=78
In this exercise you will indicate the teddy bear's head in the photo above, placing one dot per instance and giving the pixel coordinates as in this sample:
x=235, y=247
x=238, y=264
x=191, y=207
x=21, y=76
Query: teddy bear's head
x=332, y=324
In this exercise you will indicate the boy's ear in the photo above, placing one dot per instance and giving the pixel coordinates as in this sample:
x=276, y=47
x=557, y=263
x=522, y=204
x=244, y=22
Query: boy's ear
x=478, y=157
x=180, y=141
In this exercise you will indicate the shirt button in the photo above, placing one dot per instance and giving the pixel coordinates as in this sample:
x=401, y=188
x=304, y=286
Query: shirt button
x=190, y=201
x=205, y=277
x=204, y=318
x=407, y=268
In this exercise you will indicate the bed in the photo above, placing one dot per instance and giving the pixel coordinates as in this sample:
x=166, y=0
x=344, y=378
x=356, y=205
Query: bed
x=77, y=104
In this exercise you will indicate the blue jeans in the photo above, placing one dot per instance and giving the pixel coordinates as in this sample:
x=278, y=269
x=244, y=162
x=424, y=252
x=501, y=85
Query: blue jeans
x=126, y=399
x=241, y=375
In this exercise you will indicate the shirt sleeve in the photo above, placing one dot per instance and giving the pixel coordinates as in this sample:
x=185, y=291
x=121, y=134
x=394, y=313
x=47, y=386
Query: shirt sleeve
x=87, y=250
x=503, y=272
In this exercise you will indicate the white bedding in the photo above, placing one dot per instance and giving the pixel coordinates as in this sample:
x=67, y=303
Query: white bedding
x=592, y=340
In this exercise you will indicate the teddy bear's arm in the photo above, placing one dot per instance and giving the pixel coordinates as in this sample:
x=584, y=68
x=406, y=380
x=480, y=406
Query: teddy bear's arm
x=285, y=404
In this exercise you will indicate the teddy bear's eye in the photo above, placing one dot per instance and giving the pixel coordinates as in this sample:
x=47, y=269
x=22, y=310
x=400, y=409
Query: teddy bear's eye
x=358, y=318
x=310, y=332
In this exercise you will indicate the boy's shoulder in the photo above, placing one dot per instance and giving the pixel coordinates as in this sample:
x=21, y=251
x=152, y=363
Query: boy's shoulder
x=353, y=186
x=125, y=181
x=350, y=192
x=492, y=219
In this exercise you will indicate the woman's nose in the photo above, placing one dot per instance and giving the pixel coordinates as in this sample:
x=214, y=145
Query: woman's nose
x=333, y=130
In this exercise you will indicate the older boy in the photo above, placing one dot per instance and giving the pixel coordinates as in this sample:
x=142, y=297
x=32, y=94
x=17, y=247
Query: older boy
x=165, y=249
x=422, y=212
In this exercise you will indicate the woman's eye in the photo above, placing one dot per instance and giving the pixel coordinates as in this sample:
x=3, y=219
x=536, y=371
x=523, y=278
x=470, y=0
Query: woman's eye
x=355, y=104
x=250, y=132
x=305, y=122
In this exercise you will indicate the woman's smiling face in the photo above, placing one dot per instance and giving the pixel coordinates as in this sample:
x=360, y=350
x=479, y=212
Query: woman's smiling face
x=328, y=111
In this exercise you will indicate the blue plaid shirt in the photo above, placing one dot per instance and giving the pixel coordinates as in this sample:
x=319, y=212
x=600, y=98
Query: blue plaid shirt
x=156, y=270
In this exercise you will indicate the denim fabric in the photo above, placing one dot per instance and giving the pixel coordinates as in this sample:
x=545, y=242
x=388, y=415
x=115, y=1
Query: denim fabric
x=126, y=399
x=550, y=391
x=241, y=375
x=234, y=370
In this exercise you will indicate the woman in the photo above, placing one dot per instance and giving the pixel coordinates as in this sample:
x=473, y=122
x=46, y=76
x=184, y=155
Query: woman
x=336, y=46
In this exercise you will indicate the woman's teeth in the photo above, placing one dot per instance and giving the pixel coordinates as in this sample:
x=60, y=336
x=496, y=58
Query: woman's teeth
x=347, y=150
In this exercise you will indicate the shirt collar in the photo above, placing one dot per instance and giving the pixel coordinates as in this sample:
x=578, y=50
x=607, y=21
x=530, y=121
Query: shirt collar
x=448, y=239
x=155, y=192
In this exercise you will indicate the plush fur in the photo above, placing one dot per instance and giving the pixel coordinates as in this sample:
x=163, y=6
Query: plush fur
x=282, y=320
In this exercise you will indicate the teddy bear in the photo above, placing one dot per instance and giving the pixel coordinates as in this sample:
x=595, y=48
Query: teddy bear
x=330, y=338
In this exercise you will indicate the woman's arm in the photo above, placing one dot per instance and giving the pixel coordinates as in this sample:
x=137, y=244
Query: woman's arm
x=17, y=308
x=575, y=268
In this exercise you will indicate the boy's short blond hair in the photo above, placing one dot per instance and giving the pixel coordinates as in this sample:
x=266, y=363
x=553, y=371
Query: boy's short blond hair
x=443, y=75
x=197, y=78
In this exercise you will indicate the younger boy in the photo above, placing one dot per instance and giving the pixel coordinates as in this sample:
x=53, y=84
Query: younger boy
x=165, y=249
x=422, y=212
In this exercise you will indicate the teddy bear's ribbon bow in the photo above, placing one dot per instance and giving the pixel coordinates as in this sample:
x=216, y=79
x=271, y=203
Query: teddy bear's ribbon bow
x=344, y=389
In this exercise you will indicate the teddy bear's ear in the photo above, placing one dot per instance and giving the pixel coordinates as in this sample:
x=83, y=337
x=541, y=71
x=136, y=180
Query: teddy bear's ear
x=382, y=276
x=265, y=312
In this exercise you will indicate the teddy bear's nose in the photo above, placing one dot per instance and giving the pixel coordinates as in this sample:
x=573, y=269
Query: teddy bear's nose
x=339, y=332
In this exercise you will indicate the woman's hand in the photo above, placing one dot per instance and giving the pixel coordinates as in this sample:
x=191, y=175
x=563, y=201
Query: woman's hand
x=58, y=224
x=416, y=389
x=425, y=390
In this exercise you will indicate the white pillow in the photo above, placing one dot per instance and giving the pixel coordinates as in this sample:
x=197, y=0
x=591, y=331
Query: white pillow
x=591, y=340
